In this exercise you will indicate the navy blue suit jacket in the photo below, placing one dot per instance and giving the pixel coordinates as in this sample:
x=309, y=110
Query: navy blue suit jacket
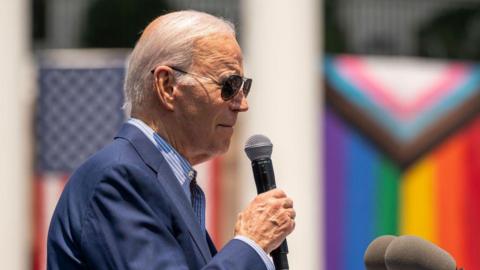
x=124, y=209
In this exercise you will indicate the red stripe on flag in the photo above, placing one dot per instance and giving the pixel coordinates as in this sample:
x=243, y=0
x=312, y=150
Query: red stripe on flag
x=47, y=190
x=63, y=182
x=215, y=197
x=39, y=244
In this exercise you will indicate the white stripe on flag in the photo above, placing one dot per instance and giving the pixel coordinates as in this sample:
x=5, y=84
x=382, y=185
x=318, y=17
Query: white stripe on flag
x=51, y=185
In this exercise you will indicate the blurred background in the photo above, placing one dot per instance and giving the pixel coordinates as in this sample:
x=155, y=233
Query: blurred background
x=373, y=107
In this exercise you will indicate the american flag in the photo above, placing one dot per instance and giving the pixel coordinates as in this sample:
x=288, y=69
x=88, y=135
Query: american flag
x=78, y=111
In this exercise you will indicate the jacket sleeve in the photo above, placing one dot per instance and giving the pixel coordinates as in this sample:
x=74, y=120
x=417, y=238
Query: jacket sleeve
x=236, y=255
x=121, y=230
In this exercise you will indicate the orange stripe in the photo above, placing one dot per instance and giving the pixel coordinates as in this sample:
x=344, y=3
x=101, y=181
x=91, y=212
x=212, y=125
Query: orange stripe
x=451, y=188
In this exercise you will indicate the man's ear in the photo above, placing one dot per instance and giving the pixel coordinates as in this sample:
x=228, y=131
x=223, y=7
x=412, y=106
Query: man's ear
x=164, y=85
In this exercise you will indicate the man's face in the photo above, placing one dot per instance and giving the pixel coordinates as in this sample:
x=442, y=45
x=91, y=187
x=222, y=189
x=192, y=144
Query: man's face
x=205, y=118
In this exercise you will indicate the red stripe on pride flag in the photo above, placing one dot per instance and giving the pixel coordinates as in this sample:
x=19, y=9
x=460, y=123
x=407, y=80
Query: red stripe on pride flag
x=472, y=196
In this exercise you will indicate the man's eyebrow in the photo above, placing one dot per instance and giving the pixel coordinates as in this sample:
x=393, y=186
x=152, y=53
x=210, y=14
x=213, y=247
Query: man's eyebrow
x=224, y=75
x=227, y=68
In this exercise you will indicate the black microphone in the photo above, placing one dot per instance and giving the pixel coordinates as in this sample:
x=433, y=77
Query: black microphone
x=412, y=252
x=374, y=257
x=259, y=150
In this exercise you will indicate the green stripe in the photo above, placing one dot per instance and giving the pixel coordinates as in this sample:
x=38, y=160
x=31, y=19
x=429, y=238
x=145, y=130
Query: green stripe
x=388, y=180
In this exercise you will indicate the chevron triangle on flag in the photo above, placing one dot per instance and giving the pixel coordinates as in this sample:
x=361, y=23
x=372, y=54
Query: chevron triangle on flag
x=405, y=104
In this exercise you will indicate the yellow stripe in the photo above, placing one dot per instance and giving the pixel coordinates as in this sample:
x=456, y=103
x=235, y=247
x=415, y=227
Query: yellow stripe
x=418, y=201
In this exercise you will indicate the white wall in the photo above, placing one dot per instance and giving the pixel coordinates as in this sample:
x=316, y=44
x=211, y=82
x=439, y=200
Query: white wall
x=281, y=43
x=15, y=165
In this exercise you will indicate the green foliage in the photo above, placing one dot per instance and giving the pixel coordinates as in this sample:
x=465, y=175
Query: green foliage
x=453, y=33
x=118, y=23
x=333, y=34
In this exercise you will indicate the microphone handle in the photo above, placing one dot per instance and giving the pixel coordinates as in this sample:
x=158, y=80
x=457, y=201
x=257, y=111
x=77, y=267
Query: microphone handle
x=265, y=181
x=279, y=256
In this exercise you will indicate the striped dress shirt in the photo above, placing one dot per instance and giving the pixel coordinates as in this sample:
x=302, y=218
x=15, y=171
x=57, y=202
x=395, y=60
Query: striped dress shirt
x=184, y=173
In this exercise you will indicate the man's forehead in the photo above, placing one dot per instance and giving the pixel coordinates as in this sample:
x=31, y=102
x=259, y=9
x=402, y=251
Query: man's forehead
x=218, y=49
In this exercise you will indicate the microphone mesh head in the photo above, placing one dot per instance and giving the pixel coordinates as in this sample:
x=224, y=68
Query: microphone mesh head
x=375, y=254
x=411, y=252
x=258, y=146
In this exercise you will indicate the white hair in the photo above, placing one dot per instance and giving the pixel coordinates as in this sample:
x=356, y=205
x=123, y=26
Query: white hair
x=171, y=43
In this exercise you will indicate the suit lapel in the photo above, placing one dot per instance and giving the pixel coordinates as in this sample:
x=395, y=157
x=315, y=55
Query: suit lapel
x=154, y=159
x=181, y=202
x=211, y=245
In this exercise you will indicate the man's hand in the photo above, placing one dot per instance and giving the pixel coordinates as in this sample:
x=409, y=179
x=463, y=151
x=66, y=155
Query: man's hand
x=267, y=220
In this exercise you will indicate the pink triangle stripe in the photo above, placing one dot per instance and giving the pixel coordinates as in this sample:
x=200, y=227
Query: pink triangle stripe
x=353, y=69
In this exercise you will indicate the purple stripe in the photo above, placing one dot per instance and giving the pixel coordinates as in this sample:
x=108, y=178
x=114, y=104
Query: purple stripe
x=334, y=190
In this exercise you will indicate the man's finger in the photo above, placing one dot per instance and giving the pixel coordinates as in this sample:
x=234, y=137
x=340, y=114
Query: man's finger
x=292, y=214
x=288, y=203
x=277, y=193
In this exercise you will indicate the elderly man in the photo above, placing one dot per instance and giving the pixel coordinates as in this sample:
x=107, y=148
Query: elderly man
x=135, y=204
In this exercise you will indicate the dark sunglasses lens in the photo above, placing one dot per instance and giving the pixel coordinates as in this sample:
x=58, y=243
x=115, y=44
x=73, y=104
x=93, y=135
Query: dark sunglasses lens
x=246, y=87
x=231, y=86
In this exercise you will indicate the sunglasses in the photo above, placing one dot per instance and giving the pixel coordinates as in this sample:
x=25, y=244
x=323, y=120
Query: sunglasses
x=230, y=86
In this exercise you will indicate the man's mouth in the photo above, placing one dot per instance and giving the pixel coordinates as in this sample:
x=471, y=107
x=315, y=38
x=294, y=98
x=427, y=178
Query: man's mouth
x=225, y=125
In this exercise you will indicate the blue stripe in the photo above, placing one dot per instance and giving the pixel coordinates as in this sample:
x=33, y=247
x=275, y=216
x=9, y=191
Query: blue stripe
x=359, y=209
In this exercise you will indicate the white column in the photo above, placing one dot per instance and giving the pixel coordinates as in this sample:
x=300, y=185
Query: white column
x=15, y=153
x=281, y=43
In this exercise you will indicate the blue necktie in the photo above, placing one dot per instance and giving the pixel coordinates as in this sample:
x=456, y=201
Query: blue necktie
x=198, y=201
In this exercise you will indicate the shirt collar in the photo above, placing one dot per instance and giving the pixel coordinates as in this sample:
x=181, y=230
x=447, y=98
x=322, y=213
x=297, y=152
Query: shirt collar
x=181, y=168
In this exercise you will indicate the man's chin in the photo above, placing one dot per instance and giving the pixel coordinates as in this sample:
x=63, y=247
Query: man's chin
x=223, y=148
x=223, y=145
x=218, y=149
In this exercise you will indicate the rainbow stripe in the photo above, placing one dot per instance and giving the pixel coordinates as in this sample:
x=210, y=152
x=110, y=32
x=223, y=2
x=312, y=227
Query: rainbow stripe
x=437, y=198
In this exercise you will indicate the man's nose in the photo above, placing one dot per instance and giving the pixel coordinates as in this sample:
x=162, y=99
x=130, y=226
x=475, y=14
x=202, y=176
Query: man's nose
x=239, y=102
